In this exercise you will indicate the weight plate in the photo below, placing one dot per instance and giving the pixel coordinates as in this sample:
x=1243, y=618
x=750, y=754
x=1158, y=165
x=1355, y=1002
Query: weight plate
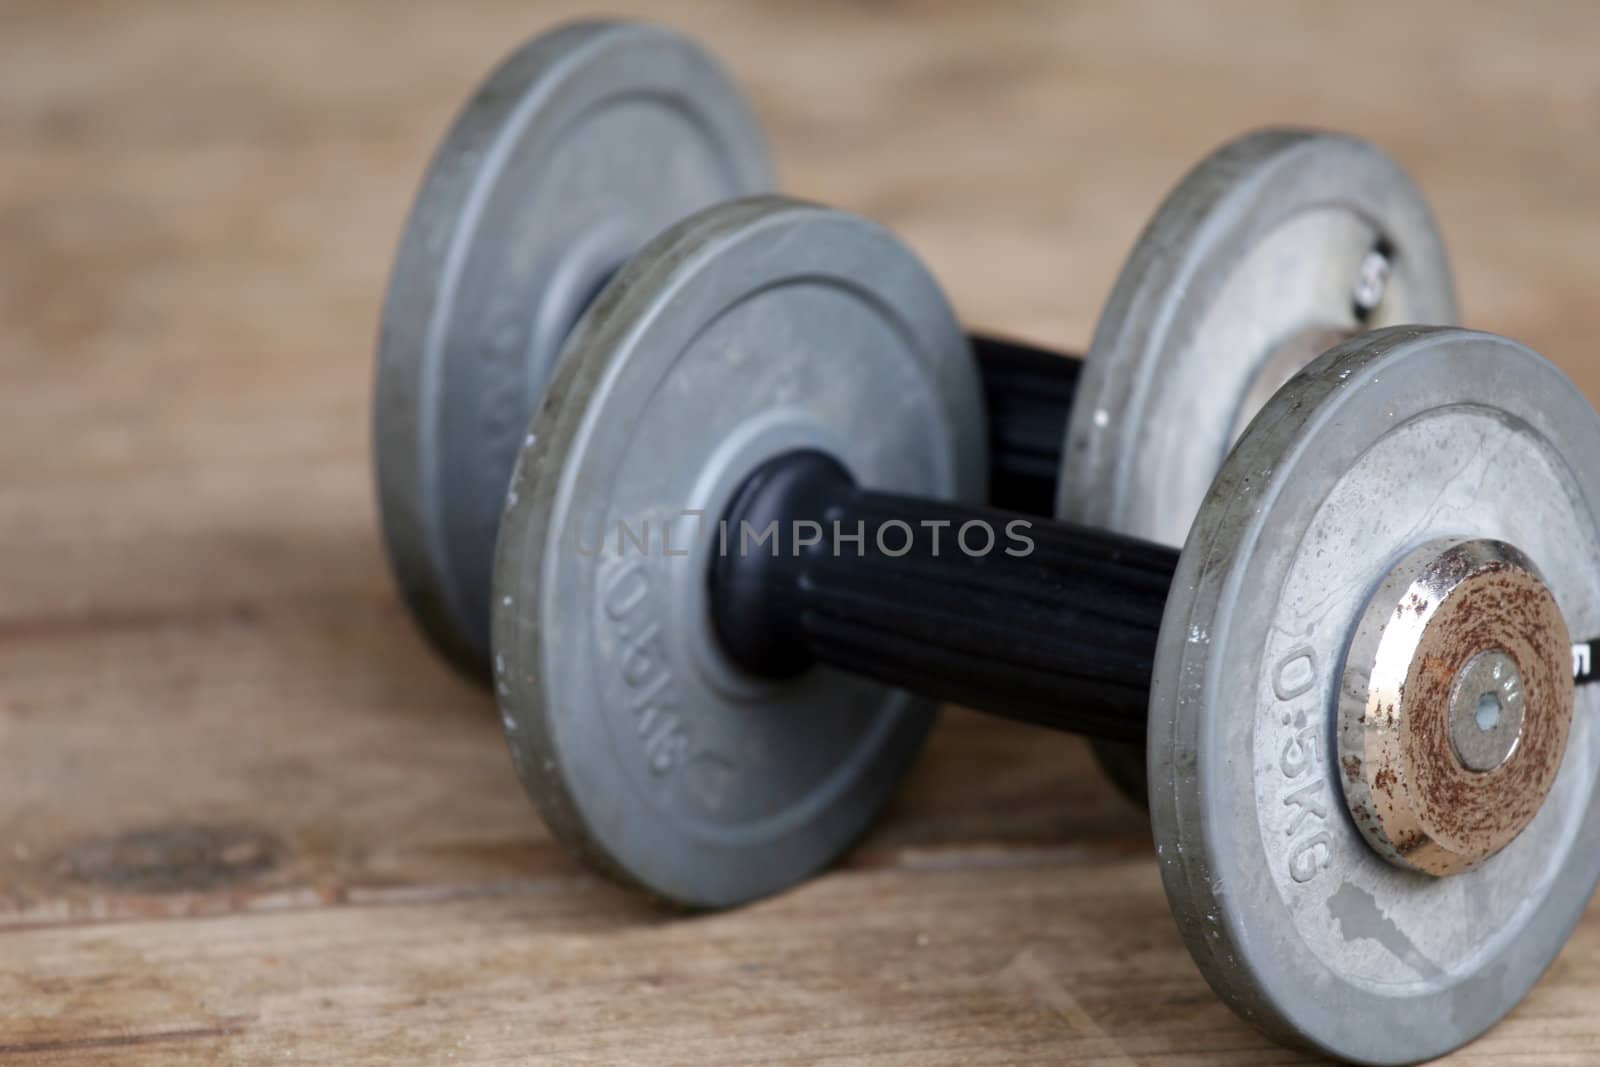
x=1253, y=266
x=582, y=146
x=750, y=330
x=1390, y=441
x=1246, y=273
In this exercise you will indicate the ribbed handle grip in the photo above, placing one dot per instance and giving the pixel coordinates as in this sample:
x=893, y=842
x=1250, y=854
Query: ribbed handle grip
x=1022, y=617
x=1028, y=392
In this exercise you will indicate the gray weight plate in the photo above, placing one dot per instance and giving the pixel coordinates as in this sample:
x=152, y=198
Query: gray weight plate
x=1247, y=272
x=582, y=146
x=750, y=330
x=1386, y=443
x=1252, y=267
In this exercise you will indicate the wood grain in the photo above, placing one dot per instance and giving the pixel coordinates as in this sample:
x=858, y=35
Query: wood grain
x=245, y=816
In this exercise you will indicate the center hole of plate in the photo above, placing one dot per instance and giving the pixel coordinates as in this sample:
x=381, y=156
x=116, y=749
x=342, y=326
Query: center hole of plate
x=1488, y=715
x=1486, y=710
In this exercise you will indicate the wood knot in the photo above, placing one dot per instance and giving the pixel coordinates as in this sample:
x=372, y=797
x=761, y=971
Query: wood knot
x=175, y=859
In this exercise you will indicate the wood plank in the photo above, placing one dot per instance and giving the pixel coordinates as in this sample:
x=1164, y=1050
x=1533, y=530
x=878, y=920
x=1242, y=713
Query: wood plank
x=957, y=966
x=245, y=816
x=312, y=751
x=1032, y=963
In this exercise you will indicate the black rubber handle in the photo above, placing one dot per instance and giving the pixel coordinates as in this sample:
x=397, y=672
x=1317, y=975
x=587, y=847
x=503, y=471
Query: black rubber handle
x=1023, y=617
x=1028, y=392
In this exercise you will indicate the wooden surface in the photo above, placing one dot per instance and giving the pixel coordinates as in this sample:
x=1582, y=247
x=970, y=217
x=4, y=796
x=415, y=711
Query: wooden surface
x=246, y=816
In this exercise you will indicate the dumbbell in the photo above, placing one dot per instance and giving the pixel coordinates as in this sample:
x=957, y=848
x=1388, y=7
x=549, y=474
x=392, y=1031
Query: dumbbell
x=593, y=138
x=721, y=628
x=452, y=239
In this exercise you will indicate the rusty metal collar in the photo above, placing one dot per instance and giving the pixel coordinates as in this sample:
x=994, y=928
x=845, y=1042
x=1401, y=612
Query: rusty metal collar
x=1458, y=701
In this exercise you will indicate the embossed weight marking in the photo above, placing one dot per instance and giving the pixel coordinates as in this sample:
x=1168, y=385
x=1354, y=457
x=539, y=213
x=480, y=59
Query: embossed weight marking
x=796, y=655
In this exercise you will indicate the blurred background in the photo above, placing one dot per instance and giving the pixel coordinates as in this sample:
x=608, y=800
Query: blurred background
x=199, y=203
x=211, y=701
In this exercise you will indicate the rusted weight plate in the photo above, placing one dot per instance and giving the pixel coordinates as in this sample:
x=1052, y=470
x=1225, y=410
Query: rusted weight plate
x=1403, y=440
